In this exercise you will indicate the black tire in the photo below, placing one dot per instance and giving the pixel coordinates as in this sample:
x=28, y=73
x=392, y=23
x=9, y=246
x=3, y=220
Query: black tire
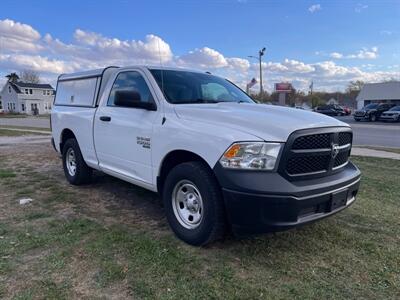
x=372, y=118
x=213, y=224
x=83, y=173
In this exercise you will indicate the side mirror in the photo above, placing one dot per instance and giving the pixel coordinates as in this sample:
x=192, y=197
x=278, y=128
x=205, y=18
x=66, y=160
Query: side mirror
x=131, y=98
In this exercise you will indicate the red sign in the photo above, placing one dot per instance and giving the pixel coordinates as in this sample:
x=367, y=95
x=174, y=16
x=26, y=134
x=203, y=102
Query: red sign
x=283, y=87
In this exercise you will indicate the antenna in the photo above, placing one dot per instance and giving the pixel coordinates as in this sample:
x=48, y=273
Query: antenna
x=162, y=68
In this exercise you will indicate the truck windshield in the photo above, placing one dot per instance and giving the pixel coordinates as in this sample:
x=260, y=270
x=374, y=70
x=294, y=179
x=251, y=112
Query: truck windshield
x=185, y=87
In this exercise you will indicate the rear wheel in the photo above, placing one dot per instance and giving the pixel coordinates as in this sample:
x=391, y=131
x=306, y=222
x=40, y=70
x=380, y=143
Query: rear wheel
x=75, y=169
x=193, y=204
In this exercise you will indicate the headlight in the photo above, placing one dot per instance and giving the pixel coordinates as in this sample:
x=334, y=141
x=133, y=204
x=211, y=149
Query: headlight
x=251, y=156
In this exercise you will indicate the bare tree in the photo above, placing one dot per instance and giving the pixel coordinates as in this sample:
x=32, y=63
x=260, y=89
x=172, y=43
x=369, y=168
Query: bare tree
x=29, y=76
x=355, y=86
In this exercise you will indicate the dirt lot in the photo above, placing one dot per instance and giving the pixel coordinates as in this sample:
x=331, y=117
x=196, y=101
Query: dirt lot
x=111, y=240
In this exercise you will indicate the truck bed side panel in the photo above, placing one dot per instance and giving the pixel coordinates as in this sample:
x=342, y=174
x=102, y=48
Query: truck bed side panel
x=80, y=121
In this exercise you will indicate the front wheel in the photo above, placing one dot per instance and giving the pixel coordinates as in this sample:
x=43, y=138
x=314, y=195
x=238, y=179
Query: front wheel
x=193, y=204
x=75, y=169
x=372, y=118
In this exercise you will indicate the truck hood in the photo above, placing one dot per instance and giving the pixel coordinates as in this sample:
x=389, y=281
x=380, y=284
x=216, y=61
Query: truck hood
x=268, y=122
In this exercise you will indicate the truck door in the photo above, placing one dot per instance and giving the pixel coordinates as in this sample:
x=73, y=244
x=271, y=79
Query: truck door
x=122, y=134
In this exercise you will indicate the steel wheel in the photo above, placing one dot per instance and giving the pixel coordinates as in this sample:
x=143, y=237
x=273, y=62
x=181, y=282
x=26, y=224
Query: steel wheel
x=187, y=204
x=70, y=161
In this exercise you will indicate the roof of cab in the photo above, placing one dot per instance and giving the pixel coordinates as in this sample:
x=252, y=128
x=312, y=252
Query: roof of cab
x=100, y=72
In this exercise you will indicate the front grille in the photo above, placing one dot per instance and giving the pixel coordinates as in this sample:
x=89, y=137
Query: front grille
x=341, y=159
x=359, y=113
x=308, y=164
x=316, y=153
x=315, y=141
x=345, y=138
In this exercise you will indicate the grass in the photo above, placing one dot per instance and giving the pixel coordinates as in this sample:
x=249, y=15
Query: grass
x=354, y=254
x=14, y=115
x=10, y=115
x=6, y=173
x=13, y=133
x=24, y=127
x=394, y=150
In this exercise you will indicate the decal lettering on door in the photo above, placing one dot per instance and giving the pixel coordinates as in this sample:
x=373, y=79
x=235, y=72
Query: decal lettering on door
x=144, y=141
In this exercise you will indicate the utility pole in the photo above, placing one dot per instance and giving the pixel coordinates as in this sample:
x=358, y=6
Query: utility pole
x=260, y=55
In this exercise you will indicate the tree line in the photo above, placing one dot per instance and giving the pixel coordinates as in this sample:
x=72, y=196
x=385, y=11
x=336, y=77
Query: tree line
x=28, y=76
x=347, y=98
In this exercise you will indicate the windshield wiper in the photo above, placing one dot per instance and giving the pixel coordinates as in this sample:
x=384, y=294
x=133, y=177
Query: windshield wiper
x=194, y=101
x=232, y=101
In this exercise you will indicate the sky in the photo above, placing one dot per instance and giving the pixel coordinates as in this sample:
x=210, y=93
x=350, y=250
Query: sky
x=328, y=43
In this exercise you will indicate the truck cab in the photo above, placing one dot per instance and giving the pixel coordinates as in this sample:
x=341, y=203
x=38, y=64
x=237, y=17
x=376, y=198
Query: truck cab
x=220, y=161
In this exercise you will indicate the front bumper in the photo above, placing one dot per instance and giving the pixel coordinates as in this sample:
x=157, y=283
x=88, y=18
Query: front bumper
x=361, y=117
x=258, y=202
x=389, y=117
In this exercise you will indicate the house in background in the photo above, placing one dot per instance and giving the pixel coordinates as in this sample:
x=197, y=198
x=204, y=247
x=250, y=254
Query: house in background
x=26, y=98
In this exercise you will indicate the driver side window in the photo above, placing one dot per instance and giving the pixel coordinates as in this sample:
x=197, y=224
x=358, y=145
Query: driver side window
x=130, y=81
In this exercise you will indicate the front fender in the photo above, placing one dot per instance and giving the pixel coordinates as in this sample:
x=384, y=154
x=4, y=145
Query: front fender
x=203, y=139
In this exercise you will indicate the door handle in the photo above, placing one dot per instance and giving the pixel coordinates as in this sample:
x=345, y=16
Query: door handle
x=105, y=118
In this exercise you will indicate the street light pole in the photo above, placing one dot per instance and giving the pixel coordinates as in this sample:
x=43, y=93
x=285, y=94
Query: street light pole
x=260, y=55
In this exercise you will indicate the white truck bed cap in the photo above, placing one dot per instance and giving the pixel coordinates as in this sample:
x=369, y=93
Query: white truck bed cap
x=85, y=74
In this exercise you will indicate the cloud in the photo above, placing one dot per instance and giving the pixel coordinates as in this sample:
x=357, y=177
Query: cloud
x=15, y=36
x=360, y=7
x=314, y=8
x=9, y=28
x=37, y=63
x=386, y=32
x=364, y=53
x=238, y=63
x=153, y=48
x=204, y=57
x=23, y=47
x=336, y=55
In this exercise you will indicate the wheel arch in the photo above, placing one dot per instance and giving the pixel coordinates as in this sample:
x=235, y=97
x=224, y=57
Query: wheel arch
x=172, y=159
x=66, y=134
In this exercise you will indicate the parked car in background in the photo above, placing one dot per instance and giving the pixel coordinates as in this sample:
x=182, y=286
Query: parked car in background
x=347, y=110
x=372, y=112
x=330, y=110
x=392, y=114
x=303, y=108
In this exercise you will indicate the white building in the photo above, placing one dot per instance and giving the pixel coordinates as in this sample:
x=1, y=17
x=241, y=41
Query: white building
x=332, y=101
x=385, y=92
x=26, y=98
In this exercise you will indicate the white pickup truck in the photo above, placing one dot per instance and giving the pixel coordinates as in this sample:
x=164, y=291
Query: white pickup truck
x=220, y=161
